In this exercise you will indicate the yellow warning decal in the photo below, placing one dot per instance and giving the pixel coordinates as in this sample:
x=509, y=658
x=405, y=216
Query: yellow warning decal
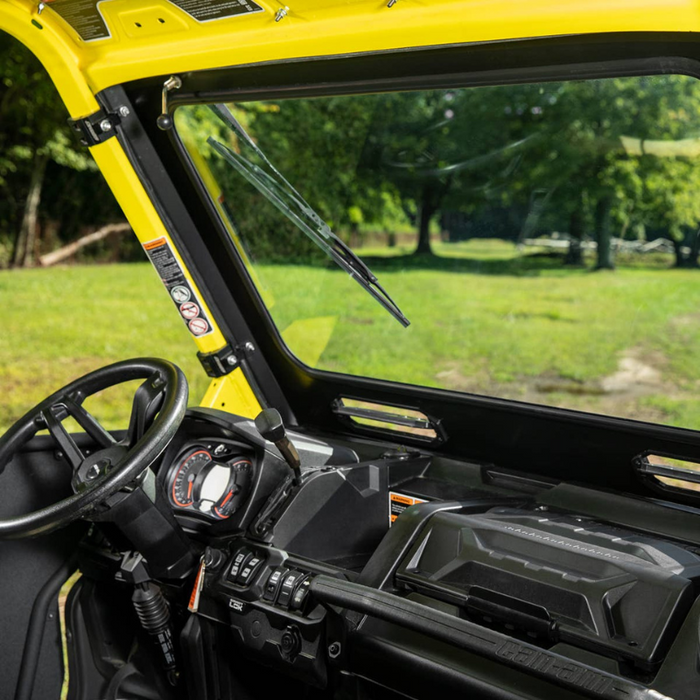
x=398, y=502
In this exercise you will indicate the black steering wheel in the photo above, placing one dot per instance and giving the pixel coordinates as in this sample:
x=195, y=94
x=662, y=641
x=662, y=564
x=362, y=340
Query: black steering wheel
x=158, y=409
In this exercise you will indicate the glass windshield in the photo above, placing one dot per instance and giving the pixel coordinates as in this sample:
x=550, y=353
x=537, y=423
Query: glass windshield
x=542, y=238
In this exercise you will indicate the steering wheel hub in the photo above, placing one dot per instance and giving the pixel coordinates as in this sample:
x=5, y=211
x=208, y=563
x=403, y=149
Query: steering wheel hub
x=97, y=465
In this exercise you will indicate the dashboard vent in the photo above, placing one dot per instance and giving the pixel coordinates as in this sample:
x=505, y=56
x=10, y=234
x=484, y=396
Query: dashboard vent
x=670, y=474
x=385, y=417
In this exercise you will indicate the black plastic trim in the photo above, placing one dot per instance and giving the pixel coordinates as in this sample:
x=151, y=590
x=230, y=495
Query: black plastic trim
x=528, y=658
x=37, y=625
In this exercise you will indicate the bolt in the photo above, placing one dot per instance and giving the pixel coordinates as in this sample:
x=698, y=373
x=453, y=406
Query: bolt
x=334, y=650
x=40, y=8
x=173, y=83
x=281, y=13
x=96, y=469
x=391, y=3
x=106, y=125
x=123, y=111
x=249, y=347
x=93, y=472
x=232, y=360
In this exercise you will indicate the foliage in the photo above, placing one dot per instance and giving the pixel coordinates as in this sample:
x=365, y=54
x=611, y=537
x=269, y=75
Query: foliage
x=33, y=130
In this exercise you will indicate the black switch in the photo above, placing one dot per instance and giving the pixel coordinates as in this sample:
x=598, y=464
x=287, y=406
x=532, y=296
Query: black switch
x=240, y=558
x=273, y=583
x=289, y=583
x=299, y=597
x=249, y=569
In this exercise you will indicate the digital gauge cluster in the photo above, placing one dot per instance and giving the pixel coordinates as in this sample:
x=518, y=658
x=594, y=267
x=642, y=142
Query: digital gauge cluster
x=210, y=480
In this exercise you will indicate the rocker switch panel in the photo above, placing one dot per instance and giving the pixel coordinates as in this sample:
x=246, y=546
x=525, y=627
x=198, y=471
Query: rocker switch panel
x=289, y=583
x=239, y=560
x=248, y=570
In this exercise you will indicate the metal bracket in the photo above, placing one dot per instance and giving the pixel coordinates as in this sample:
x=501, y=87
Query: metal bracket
x=98, y=127
x=219, y=363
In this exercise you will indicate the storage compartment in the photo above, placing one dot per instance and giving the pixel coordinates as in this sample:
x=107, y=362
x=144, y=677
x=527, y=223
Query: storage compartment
x=558, y=578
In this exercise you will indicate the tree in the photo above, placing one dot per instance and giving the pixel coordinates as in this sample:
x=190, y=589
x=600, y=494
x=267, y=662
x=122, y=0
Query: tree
x=598, y=158
x=34, y=134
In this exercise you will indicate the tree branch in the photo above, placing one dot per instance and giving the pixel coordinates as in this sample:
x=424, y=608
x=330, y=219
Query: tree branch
x=71, y=249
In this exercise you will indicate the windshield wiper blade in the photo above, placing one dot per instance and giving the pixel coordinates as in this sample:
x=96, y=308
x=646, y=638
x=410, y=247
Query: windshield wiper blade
x=277, y=189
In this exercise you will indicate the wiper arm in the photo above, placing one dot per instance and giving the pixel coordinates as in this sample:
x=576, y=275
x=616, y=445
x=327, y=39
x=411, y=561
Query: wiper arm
x=275, y=187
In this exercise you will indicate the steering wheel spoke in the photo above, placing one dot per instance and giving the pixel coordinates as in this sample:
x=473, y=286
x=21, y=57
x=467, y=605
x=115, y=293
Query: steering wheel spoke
x=53, y=417
x=89, y=423
x=147, y=402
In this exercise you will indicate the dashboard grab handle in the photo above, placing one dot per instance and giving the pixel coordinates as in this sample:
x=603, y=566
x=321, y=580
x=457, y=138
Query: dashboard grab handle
x=469, y=636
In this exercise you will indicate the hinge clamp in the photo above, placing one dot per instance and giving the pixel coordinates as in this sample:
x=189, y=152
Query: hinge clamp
x=219, y=363
x=98, y=127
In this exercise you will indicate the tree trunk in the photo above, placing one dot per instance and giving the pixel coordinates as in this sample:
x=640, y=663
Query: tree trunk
x=678, y=250
x=694, y=249
x=27, y=239
x=426, y=210
x=574, y=256
x=603, y=234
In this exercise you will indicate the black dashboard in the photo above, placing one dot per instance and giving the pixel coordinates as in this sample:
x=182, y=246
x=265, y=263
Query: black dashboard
x=397, y=568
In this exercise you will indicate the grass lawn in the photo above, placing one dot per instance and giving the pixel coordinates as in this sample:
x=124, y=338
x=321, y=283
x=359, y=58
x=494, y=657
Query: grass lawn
x=63, y=322
x=485, y=319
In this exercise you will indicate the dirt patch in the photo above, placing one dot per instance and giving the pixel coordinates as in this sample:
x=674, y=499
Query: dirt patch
x=686, y=320
x=639, y=373
x=478, y=382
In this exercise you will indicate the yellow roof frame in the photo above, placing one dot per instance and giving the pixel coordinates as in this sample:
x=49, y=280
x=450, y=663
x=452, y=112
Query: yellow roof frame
x=156, y=37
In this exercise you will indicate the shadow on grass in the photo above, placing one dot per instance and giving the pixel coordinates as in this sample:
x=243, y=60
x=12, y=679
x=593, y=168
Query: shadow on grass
x=528, y=264
x=531, y=264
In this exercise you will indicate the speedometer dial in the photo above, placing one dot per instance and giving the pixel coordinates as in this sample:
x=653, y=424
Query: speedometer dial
x=182, y=491
x=213, y=486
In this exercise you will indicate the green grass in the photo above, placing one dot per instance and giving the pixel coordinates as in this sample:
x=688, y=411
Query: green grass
x=61, y=323
x=488, y=320
x=485, y=319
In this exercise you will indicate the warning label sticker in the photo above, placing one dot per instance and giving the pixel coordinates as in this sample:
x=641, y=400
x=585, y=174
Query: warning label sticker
x=198, y=326
x=398, y=502
x=161, y=254
x=189, y=310
x=83, y=16
x=207, y=10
